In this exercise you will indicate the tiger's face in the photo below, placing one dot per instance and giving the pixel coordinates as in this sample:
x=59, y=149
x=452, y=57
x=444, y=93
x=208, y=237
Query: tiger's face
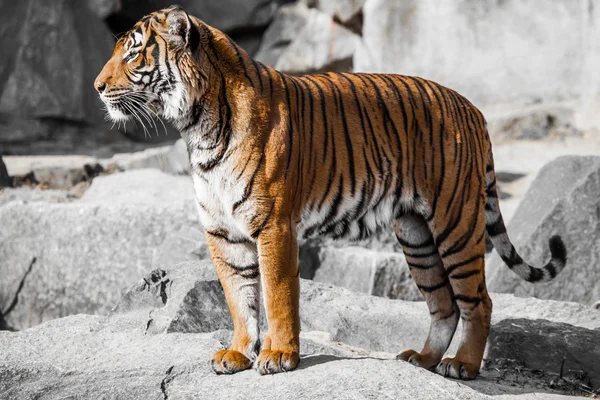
x=142, y=78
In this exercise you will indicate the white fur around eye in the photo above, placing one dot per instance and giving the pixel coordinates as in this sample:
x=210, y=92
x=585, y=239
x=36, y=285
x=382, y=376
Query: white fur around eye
x=132, y=59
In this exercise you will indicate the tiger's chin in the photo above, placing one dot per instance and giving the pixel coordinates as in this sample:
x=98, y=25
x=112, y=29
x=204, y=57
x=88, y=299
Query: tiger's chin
x=117, y=115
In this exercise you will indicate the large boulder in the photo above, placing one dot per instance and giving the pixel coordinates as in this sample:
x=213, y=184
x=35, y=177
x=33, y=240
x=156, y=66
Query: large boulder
x=88, y=251
x=563, y=199
x=379, y=273
x=541, y=345
x=302, y=40
x=469, y=47
x=53, y=51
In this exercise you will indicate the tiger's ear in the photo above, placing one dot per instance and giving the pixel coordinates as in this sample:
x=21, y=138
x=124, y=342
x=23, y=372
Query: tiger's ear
x=179, y=26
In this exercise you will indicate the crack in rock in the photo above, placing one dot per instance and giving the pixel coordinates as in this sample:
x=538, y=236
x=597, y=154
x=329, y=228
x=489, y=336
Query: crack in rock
x=166, y=381
x=15, y=299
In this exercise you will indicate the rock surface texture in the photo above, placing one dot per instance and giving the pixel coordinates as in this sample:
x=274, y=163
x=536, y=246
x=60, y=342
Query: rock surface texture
x=88, y=250
x=52, y=51
x=563, y=199
x=348, y=346
x=469, y=47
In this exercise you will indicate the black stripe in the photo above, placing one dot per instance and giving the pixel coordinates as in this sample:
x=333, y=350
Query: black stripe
x=259, y=230
x=290, y=132
x=349, y=149
x=429, y=289
x=221, y=234
x=422, y=255
x=466, y=274
x=468, y=299
x=248, y=188
x=453, y=267
x=240, y=59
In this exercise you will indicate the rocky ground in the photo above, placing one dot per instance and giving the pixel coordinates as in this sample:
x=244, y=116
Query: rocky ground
x=157, y=340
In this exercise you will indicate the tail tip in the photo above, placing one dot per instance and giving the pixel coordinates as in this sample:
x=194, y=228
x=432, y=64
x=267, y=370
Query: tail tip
x=557, y=249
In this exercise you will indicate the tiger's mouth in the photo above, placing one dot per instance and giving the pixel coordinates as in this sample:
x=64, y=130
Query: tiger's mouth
x=144, y=108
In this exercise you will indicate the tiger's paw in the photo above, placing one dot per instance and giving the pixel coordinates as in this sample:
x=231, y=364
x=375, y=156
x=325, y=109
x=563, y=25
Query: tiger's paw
x=454, y=368
x=274, y=361
x=229, y=362
x=427, y=361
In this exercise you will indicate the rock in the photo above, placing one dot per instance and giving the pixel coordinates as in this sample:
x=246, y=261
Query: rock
x=548, y=346
x=104, y=8
x=119, y=357
x=533, y=125
x=226, y=15
x=27, y=194
x=171, y=159
x=54, y=51
x=383, y=274
x=5, y=180
x=466, y=47
x=563, y=199
x=319, y=45
x=359, y=320
x=64, y=172
x=89, y=251
x=342, y=10
x=100, y=357
x=286, y=25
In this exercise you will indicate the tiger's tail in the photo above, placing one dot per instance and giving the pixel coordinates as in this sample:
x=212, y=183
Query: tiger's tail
x=496, y=231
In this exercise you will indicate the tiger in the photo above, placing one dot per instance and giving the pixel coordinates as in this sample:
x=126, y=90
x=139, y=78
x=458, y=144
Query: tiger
x=276, y=159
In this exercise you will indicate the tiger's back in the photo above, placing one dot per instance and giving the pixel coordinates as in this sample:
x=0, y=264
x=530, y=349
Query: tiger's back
x=275, y=158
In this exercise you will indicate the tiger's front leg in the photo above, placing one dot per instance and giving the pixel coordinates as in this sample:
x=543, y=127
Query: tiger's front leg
x=237, y=267
x=278, y=258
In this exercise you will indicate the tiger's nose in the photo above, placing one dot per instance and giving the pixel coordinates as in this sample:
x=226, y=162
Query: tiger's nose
x=100, y=86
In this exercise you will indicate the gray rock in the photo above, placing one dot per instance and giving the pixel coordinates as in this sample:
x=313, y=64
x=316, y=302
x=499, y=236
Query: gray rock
x=286, y=25
x=359, y=320
x=319, y=45
x=343, y=10
x=534, y=124
x=54, y=51
x=378, y=273
x=466, y=46
x=226, y=15
x=104, y=8
x=563, y=200
x=88, y=252
x=5, y=180
x=119, y=357
x=98, y=357
x=27, y=194
x=548, y=346
x=64, y=172
x=171, y=159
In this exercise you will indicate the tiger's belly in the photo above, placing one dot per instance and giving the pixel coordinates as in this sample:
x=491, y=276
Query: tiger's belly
x=348, y=220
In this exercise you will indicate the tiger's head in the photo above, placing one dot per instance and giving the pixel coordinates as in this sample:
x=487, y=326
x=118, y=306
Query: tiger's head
x=152, y=69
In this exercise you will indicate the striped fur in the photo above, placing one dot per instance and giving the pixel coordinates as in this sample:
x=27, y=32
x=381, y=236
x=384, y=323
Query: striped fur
x=276, y=158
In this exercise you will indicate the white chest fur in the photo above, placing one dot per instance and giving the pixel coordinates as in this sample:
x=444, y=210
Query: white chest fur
x=216, y=192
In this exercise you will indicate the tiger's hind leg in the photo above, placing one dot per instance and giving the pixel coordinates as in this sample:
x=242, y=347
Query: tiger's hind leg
x=461, y=245
x=428, y=272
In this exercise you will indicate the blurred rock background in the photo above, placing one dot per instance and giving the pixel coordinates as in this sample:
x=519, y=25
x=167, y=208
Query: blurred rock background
x=86, y=210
